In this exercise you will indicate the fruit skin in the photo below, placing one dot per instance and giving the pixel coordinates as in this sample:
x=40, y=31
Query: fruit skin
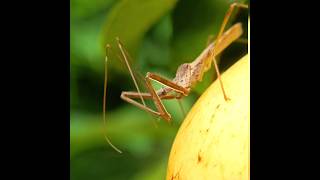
x=213, y=140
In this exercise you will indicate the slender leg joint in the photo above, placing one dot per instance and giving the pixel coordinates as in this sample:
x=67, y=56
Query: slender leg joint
x=167, y=83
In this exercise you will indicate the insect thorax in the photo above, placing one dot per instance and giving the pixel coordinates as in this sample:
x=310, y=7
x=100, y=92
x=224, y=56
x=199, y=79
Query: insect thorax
x=183, y=75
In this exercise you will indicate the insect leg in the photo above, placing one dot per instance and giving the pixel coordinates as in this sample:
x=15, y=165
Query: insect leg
x=168, y=83
x=129, y=97
x=155, y=96
x=157, y=101
x=228, y=15
x=224, y=23
x=173, y=86
x=123, y=52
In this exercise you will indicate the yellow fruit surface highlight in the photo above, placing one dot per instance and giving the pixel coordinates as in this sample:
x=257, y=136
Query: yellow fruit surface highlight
x=213, y=140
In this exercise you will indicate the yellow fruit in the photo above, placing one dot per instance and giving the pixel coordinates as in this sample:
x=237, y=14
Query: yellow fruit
x=213, y=140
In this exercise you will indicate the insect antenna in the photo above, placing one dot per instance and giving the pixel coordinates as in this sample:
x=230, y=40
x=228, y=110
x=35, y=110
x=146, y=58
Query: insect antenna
x=104, y=103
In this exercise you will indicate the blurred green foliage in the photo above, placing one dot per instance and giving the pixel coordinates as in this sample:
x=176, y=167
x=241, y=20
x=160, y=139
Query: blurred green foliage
x=159, y=35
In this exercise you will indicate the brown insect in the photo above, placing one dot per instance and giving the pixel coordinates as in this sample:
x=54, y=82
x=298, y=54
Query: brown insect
x=187, y=75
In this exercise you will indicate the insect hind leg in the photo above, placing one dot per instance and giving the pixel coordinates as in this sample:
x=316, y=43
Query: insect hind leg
x=224, y=23
x=228, y=15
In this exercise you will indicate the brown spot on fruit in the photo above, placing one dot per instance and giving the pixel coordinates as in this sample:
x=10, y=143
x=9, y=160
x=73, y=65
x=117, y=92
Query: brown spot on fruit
x=199, y=158
x=175, y=176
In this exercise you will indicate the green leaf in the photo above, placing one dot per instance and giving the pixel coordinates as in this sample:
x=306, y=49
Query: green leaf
x=130, y=20
x=85, y=43
x=155, y=48
x=81, y=9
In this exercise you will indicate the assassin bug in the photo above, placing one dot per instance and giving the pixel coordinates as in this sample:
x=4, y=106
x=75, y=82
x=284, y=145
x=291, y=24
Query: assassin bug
x=187, y=75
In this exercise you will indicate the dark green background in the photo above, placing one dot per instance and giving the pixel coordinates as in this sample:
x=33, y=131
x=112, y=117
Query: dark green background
x=159, y=35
